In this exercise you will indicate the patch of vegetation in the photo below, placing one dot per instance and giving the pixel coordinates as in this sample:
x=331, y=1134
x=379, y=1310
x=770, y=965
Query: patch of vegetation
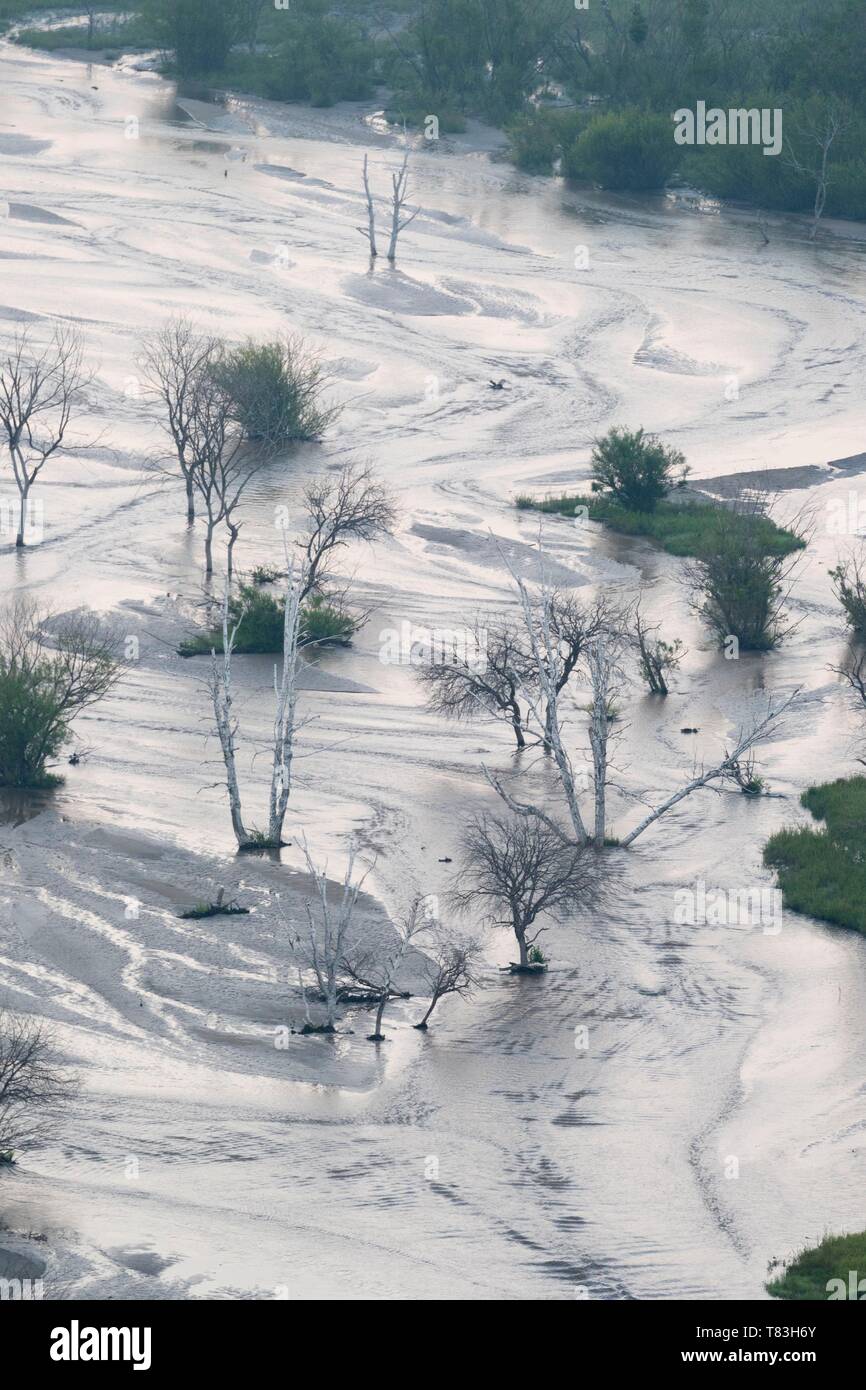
x=259, y=841
x=220, y=908
x=275, y=389
x=260, y=629
x=822, y=872
x=538, y=139
x=636, y=469
x=822, y=1273
x=680, y=528
x=266, y=574
x=624, y=150
x=45, y=680
x=849, y=586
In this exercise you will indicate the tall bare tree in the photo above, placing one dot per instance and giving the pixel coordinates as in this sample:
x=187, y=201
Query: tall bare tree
x=464, y=688
x=285, y=716
x=39, y=391
x=175, y=361
x=353, y=505
x=821, y=129
x=518, y=870
x=400, y=219
x=370, y=230
x=223, y=463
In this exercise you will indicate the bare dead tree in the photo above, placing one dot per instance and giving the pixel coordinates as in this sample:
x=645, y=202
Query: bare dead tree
x=606, y=680
x=603, y=669
x=464, y=688
x=329, y=923
x=39, y=391
x=286, y=715
x=517, y=870
x=450, y=965
x=819, y=133
x=549, y=657
x=175, y=361
x=33, y=1084
x=727, y=769
x=370, y=230
x=375, y=965
x=576, y=626
x=222, y=698
x=399, y=195
x=223, y=464
x=354, y=505
x=286, y=723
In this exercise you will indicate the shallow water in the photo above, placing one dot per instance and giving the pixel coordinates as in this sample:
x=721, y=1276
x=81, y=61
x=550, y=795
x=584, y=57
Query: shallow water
x=493, y=1158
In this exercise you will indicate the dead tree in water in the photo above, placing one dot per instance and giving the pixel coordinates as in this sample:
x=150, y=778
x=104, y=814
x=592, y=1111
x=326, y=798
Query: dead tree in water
x=400, y=218
x=328, y=927
x=32, y=1084
x=399, y=195
x=450, y=966
x=174, y=362
x=370, y=230
x=517, y=870
x=375, y=965
x=38, y=394
x=285, y=718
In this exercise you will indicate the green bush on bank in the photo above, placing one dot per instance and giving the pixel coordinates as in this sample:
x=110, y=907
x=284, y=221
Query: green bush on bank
x=822, y=871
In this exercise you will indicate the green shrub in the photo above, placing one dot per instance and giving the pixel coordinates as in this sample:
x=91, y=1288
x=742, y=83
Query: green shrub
x=44, y=682
x=326, y=623
x=636, y=469
x=539, y=138
x=262, y=621
x=276, y=390
x=632, y=150
x=322, y=59
x=738, y=585
x=849, y=586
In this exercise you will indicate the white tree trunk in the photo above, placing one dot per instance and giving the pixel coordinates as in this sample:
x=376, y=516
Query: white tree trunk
x=287, y=699
x=221, y=694
x=370, y=232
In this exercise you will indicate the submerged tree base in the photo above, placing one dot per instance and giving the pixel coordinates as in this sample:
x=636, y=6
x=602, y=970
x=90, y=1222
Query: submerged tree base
x=822, y=872
x=680, y=529
x=538, y=968
x=310, y=1028
x=824, y=1273
x=259, y=845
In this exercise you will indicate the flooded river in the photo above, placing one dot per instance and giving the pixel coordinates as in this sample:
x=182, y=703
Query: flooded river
x=710, y=1116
